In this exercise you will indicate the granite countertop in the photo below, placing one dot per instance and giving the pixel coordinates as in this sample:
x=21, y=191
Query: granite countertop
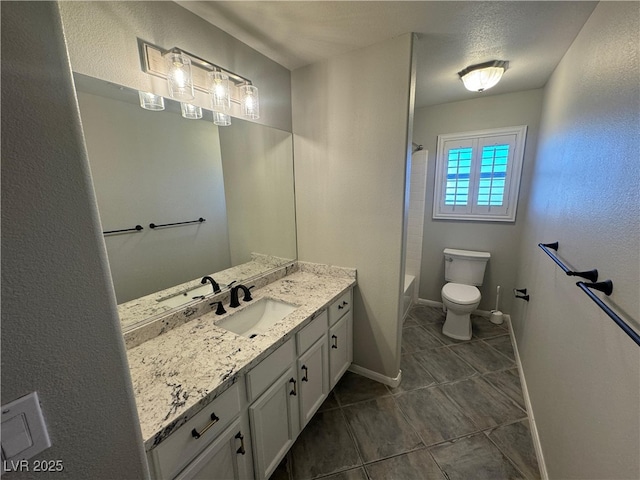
x=178, y=373
x=139, y=310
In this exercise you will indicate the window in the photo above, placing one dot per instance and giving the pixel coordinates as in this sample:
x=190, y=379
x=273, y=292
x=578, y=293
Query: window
x=478, y=174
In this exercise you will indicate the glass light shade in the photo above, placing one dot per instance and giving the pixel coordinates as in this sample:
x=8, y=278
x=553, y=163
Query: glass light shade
x=478, y=78
x=221, y=119
x=179, y=77
x=149, y=101
x=250, y=101
x=484, y=79
x=192, y=112
x=219, y=89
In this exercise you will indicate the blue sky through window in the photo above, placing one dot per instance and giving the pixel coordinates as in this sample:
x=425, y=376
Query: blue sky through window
x=493, y=173
x=458, y=175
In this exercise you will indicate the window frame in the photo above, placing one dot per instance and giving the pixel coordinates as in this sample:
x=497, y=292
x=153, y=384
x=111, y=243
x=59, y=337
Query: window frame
x=479, y=139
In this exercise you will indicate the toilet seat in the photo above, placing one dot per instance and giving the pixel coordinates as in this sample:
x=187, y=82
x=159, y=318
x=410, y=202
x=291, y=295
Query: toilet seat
x=461, y=294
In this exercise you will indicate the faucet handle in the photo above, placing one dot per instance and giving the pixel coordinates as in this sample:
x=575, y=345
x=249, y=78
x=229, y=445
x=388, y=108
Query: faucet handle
x=247, y=294
x=220, y=310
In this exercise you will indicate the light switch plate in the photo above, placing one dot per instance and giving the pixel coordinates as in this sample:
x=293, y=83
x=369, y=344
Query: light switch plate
x=24, y=433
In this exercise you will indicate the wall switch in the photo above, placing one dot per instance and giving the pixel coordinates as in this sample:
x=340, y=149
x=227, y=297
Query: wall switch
x=24, y=433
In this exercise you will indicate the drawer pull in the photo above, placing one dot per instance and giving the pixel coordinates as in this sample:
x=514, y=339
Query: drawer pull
x=335, y=341
x=293, y=392
x=340, y=307
x=240, y=437
x=195, y=434
x=345, y=303
x=306, y=373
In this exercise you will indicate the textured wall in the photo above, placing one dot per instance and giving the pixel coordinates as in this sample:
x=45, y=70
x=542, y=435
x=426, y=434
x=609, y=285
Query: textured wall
x=499, y=238
x=102, y=42
x=142, y=174
x=60, y=329
x=582, y=371
x=350, y=148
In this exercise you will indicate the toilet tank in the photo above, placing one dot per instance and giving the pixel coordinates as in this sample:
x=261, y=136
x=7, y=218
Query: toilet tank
x=465, y=266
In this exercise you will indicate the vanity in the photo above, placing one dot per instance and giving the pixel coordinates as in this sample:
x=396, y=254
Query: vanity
x=215, y=398
x=217, y=404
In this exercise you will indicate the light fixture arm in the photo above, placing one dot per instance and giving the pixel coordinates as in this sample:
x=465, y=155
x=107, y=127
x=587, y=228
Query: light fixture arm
x=153, y=64
x=205, y=65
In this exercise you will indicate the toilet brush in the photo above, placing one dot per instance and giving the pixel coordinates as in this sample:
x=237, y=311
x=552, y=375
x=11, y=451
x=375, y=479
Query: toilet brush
x=496, y=315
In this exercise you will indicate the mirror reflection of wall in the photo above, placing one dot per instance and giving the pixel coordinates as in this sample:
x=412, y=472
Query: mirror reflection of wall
x=258, y=180
x=157, y=167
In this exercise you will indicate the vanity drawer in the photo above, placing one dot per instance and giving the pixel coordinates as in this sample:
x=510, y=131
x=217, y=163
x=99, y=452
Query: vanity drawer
x=181, y=446
x=269, y=370
x=312, y=332
x=341, y=306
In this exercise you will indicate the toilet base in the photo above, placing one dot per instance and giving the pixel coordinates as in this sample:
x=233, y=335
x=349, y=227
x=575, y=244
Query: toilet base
x=457, y=325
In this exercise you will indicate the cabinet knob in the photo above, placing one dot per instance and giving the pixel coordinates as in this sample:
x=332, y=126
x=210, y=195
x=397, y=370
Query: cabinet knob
x=195, y=434
x=335, y=341
x=293, y=392
x=306, y=373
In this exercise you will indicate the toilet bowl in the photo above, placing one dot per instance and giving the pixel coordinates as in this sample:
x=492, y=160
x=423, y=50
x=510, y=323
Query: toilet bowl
x=463, y=272
x=459, y=301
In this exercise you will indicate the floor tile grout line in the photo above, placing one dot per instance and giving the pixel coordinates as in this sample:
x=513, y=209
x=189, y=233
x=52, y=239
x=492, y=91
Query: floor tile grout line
x=496, y=350
x=352, y=435
x=491, y=349
x=510, y=460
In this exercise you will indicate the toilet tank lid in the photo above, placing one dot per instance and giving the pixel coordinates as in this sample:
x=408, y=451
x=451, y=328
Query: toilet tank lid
x=466, y=253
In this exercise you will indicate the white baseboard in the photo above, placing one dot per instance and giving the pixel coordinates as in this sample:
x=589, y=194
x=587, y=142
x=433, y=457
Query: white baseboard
x=527, y=401
x=433, y=303
x=378, y=377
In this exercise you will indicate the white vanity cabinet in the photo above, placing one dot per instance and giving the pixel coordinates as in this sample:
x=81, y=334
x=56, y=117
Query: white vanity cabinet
x=248, y=429
x=206, y=441
x=228, y=457
x=272, y=390
x=340, y=337
x=313, y=367
x=274, y=423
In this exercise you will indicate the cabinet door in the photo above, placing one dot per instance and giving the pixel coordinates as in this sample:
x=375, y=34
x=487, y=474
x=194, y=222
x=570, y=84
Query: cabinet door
x=340, y=348
x=228, y=457
x=313, y=373
x=275, y=423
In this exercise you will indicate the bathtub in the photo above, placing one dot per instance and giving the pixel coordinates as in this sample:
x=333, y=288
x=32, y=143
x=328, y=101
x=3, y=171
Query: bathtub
x=408, y=295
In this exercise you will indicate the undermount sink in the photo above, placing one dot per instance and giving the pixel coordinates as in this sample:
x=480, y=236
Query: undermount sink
x=180, y=299
x=256, y=318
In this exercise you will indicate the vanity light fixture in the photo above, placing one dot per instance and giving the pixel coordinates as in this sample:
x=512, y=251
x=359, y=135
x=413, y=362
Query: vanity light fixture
x=152, y=102
x=219, y=89
x=179, y=76
x=250, y=102
x=191, y=112
x=186, y=73
x=221, y=119
x=481, y=77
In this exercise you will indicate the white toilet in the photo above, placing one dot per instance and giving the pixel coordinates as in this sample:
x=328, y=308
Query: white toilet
x=464, y=270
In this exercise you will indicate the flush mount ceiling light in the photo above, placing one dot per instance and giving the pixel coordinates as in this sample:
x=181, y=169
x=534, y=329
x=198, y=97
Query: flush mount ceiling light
x=186, y=73
x=481, y=77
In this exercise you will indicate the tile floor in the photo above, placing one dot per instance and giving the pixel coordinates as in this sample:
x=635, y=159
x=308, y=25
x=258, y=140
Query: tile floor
x=458, y=414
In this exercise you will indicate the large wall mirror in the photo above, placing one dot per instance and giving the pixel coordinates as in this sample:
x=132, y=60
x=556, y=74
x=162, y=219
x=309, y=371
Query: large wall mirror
x=158, y=167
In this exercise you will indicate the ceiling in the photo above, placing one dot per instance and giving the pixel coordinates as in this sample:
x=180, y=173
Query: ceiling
x=451, y=35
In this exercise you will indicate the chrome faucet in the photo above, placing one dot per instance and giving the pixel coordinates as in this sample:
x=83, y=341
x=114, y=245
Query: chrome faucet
x=214, y=284
x=234, y=295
